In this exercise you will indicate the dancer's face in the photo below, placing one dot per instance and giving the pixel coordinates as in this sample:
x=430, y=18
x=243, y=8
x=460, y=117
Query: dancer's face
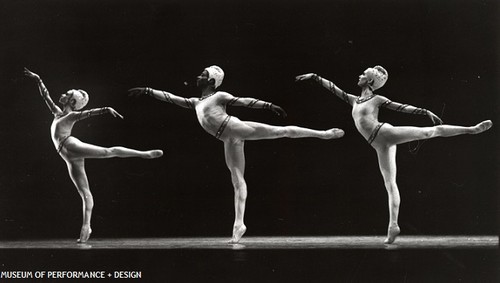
x=66, y=97
x=364, y=78
x=202, y=79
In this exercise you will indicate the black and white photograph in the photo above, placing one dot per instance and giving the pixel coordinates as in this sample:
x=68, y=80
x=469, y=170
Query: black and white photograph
x=249, y=141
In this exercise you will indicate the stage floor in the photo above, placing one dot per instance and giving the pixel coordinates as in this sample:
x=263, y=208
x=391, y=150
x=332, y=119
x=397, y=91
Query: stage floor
x=264, y=259
x=275, y=243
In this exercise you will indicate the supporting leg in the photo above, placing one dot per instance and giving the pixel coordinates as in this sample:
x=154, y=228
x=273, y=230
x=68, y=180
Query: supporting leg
x=387, y=164
x=235, y=160
x=79, y=177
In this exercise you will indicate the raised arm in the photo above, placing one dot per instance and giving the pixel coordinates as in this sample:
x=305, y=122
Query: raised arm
x=163, y=96
x=406, y=108
x=348, y=98
x=254, y=103
x=43, y=92
x=80, y=115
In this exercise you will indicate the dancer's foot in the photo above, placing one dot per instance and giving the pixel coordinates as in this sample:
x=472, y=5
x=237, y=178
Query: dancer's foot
x=153, y=154
x=392, y=233
x=238, y=232
x=333, y=133
x=84, y=234
x=483, y=126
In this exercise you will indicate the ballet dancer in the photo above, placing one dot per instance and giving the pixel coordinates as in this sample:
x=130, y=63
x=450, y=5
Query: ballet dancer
x=384, y=137
x=210, y=110
x=73, y=151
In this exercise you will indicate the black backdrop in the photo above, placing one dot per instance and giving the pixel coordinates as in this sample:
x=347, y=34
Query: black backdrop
x=441, y=55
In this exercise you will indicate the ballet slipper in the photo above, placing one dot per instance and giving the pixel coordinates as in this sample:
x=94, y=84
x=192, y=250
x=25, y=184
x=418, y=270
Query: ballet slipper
x=392, y=233
x=334, y=133
x=84, y=234
x=238, y=233
x=483, y=126
x=154, y=154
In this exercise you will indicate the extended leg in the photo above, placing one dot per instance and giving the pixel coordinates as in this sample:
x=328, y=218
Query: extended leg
x=398, y=135
x=387, y=164
x=235, y=160
x=257, y=131
x=77, y=173
x=77, y=149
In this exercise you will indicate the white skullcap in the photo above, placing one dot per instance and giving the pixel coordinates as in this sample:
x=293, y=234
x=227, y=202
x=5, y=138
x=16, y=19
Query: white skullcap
x=216, y=73
x=379, y=76
x=81, y=98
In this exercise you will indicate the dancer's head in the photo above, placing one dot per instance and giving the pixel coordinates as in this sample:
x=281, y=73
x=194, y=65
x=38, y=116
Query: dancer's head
x=75, y=98
x=374, y=78
x=214, y=76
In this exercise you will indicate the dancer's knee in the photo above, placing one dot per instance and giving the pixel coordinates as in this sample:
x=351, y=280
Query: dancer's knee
x=282, y=132
x=87, y=199
x=391, y=186
x=432, y=132
x=113, y=151
x=108, y=152
x=240, y=188
x=239, y=184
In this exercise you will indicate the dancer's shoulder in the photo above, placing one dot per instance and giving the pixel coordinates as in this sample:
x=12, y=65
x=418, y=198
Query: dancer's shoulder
x=223, y=94
x=381, y=98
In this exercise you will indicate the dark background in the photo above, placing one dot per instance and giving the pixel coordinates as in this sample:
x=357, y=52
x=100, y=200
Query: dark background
x=441, y=55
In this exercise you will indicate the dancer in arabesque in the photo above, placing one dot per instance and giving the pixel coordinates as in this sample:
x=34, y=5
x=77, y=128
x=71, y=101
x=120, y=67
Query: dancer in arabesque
x=384, y=137
x=210, y=109
x=73, y=151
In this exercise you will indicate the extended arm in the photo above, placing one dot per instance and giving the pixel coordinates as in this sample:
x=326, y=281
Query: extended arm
x=163, y=96
x=43, y=92
x=348, y=98
x=255, y=103
x=96, y=111
x=406, y=108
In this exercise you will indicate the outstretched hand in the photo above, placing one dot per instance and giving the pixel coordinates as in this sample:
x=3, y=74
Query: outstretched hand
x=30, y=74
x=114, y=112
x=137, y=91
x=278, y=110
x=304, y=77
x=435, y=119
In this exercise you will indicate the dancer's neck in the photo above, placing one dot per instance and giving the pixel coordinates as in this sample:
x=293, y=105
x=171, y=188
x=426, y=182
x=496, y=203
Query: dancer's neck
x=366, y=92
x=207, y=92
x=66, y=109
